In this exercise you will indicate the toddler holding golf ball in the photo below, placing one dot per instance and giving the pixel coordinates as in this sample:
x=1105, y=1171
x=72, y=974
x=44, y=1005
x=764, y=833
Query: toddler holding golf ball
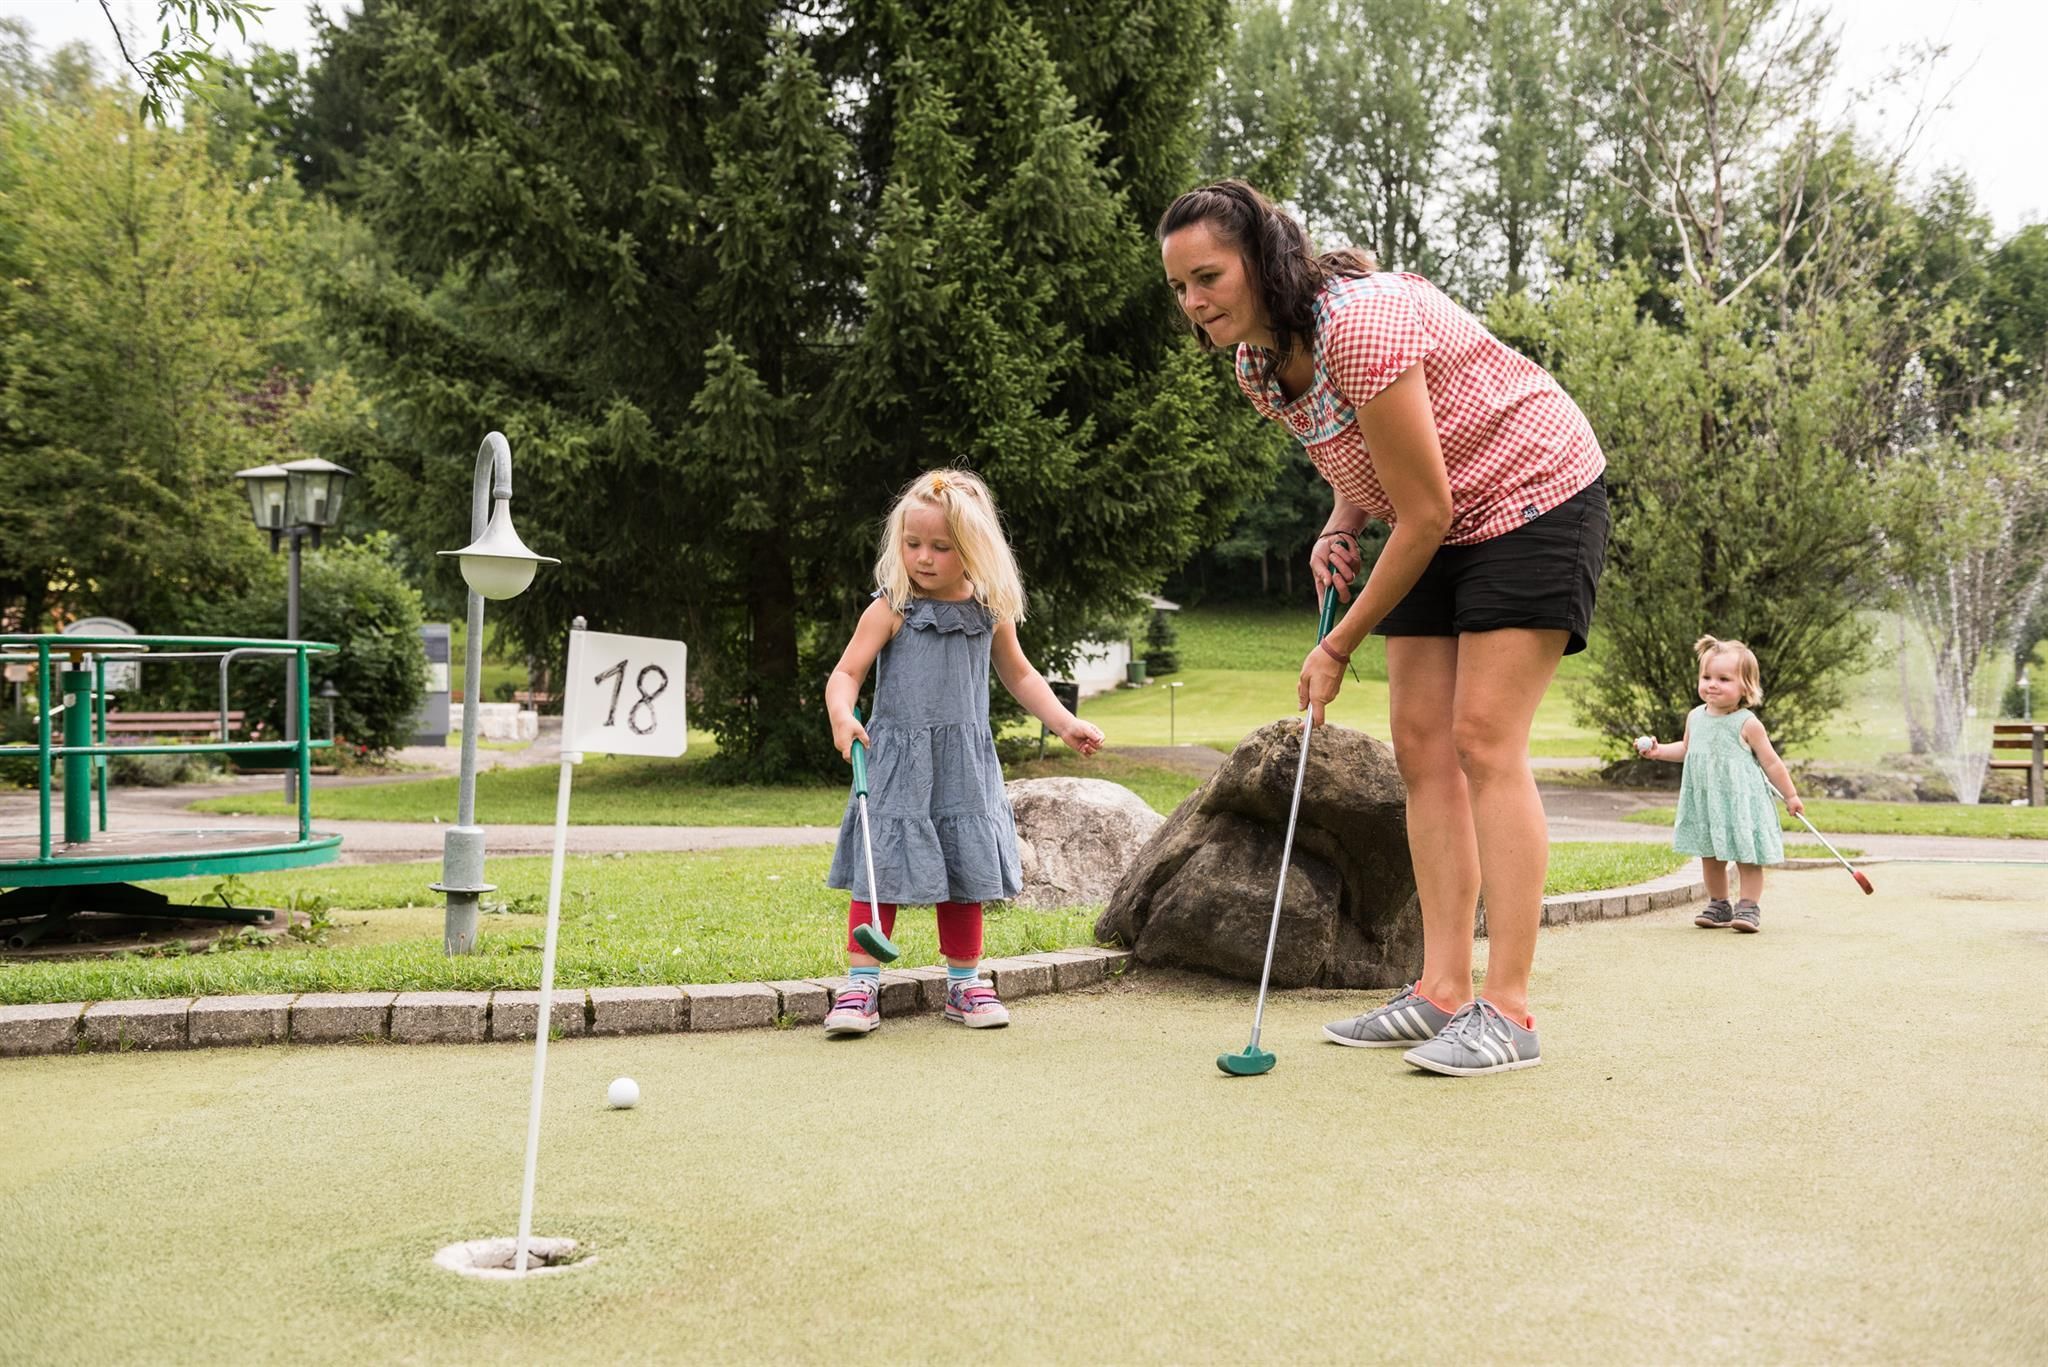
x=947, y=605
x=1725, y=812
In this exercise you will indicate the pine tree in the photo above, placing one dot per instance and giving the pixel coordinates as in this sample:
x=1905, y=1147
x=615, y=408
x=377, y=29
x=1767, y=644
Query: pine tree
x=728, y=281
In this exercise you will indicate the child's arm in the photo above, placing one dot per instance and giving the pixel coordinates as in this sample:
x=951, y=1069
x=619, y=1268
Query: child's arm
x=877, y=625
x=1673, y=752
x=1027, y=686
x=1774, y=768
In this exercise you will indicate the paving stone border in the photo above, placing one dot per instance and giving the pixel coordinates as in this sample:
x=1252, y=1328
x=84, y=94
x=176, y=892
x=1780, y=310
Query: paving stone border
x=471, y=1017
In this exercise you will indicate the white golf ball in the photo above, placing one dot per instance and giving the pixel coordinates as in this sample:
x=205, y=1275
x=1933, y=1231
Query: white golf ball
x=623, y=1094
x=1645, y=744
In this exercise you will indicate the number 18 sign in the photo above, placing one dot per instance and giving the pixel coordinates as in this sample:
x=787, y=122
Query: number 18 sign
x=624, y=695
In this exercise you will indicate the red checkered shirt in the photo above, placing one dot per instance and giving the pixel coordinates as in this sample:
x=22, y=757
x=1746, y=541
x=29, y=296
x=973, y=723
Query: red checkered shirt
x=1514, y=444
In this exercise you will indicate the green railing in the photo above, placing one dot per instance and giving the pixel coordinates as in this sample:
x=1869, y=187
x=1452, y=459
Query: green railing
x=84, y=749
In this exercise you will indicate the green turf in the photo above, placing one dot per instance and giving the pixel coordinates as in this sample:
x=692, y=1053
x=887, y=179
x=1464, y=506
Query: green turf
x=715, y=916
x=1795, y=850
x=1896, y=818
x=1674, y=1185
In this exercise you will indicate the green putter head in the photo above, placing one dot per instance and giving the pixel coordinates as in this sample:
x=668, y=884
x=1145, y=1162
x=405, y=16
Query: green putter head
x=1250, y=1063
x=871, y=939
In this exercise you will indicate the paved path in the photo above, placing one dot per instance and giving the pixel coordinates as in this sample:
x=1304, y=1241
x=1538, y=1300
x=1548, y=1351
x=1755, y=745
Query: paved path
x=1574, y=814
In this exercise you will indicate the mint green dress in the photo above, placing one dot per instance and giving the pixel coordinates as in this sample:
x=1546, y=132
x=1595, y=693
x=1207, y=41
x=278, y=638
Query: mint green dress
x=1725, y=807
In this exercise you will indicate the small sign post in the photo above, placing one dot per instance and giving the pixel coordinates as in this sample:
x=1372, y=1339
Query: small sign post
x=623, y=696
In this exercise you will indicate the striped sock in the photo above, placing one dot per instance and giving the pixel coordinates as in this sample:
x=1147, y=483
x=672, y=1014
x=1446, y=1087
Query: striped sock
x=961, y=977
x=866, y=975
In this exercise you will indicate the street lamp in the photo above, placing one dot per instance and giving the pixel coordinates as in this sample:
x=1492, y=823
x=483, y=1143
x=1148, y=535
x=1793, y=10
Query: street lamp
x=496, y=564
x=1172, y=692
x=292, y=501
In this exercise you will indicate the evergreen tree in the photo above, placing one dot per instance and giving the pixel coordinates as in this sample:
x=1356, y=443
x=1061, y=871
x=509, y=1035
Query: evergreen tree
x=728, y=280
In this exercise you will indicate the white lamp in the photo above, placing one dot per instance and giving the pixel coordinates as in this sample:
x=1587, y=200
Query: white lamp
x=498, y=564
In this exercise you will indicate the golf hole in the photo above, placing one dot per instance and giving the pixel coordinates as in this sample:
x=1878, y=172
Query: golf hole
x=492, y=1259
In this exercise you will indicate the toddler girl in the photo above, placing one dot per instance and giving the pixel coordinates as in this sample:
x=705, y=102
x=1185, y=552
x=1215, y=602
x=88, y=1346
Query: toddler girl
x=1724, y=810
x=948, y=604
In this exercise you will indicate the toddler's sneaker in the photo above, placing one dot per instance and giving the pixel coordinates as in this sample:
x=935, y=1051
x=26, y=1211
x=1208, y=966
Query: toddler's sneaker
x=1716, y=915
x=857, y=1010
x=1408, y=1019
x=1749, y=917
x=976, y=1006
x=1479, y=1039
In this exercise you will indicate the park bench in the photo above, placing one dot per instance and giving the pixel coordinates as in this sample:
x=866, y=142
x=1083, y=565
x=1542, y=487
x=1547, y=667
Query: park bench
x=169, y=723
x=2022, y=735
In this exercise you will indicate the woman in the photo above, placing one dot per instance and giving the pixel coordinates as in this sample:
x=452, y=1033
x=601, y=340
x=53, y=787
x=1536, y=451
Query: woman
x=1489, y=478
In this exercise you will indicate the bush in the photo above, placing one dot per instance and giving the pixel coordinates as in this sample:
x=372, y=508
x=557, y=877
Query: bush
x=1160, y=640
x=354, y=596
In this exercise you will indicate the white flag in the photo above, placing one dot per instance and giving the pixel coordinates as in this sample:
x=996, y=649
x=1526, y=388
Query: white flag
x=624, y=696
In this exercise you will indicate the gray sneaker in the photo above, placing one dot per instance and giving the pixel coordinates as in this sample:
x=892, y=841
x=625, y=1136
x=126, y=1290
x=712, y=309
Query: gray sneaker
x=1407, y=1019
x=1716, y=916
x=1749, y=917
x=1479, y=1039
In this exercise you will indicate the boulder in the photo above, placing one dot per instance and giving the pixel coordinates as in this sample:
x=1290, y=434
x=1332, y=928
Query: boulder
x=1074, y=837
x=1200, y=893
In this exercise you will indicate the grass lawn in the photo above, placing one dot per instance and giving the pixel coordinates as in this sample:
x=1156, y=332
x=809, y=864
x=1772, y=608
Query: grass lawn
x=723, y=916
x=616, y=790
x=1896, y=818
x=1672, y=1185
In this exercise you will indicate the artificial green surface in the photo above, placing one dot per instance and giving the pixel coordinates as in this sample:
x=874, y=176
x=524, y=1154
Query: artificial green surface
x=1818, y=1144
x=1896, y=818
x=716, y=916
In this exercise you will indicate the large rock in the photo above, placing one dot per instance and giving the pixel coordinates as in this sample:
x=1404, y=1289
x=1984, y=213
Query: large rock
x=1074, y=837
x=1200, y=894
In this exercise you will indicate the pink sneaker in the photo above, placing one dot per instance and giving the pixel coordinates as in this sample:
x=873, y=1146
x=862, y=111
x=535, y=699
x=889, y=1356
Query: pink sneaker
x=976, y=1006
x=857, y=1011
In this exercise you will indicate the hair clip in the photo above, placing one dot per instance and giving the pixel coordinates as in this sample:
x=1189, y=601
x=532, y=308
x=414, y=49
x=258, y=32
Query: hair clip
x=938, y=484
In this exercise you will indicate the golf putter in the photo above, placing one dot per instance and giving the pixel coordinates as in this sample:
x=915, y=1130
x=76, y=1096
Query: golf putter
x=1255, y=1060
x=869, y=937
x=1861, y=881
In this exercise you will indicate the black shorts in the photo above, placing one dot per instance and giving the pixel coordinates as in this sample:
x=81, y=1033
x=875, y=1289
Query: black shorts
x=1542, y=574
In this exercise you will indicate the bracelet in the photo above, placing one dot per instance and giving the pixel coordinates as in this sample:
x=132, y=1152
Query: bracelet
x=1324, y=646
x=1339, y=532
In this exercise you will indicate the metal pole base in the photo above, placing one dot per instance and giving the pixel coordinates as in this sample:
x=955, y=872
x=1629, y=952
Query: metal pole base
x=462, y=882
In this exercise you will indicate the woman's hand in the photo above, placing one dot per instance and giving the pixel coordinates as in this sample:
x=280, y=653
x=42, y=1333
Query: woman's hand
x=1322, y=674
x=1334, y=559
x=1083, y=736
x=845, y=731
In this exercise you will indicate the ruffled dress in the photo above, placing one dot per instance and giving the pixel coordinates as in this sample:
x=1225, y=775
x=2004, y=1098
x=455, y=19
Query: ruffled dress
x=940, y=820
x=1725, y=807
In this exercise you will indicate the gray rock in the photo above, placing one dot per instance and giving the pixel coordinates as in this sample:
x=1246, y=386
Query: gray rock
x=635, y=1010
x=262, y=1019
x=137, y=1024
x=1200, y=893
x=440, y=1017
x=730, y=1006
x=1075, y=837
x=48, y=1029
x=333, y=1017
x=516, y=1015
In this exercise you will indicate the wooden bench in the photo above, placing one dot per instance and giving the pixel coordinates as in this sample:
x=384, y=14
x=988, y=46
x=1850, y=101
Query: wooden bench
x=2031, y=736
x=170, y=723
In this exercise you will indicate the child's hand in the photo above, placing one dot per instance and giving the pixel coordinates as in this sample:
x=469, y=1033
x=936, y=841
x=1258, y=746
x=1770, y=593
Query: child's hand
x=1645, y=744
x=1794, y=804
x=1083, y=736
x=845, y=731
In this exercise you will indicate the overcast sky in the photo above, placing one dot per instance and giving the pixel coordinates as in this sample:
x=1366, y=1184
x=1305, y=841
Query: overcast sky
x=1997, y=96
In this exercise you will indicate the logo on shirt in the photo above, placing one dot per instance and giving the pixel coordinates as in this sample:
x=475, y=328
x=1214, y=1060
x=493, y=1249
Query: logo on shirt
x=1530, y=513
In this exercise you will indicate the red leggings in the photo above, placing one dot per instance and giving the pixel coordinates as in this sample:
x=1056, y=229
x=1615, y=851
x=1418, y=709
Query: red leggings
x=959, y=927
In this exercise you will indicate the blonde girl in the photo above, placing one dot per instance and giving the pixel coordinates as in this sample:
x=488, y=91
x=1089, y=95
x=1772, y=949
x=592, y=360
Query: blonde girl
x=1725, y=813
x=946, y=608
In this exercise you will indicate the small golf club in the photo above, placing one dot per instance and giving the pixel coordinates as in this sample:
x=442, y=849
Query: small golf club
x=1861, y=881
x=1255, y=1060
x=869, y=937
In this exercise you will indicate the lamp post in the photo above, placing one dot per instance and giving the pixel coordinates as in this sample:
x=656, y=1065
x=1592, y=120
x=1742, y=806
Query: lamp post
x=1172, y=692
x=292, y=501
x=496, y=564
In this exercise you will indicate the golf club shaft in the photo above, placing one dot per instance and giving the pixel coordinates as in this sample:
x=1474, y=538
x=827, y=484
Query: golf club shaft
x=867, y=847
x=1824, y=840
x=1280, y=892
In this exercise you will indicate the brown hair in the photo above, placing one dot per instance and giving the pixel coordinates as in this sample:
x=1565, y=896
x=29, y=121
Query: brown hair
x=1746, y=672
x=1284, y=265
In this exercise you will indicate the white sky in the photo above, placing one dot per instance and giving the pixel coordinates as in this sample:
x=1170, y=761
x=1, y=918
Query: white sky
x=1995, y=88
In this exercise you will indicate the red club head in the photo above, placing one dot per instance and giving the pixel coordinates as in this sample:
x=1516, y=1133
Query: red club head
x=1862, y=882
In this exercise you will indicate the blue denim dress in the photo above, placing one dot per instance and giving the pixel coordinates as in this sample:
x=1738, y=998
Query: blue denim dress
x=940, y=820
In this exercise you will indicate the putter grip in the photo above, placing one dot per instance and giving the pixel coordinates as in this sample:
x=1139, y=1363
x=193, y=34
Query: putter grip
x=1329, y=610
x=860, y=763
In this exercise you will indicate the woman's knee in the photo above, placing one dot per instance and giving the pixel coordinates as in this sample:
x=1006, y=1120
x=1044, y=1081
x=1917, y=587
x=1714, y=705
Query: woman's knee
x=1488, y=750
